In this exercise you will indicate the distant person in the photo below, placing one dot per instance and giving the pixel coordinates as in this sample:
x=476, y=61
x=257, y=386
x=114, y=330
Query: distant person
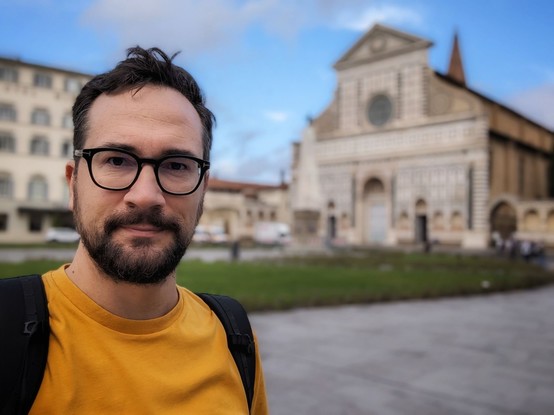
x=125, y=338
x=526, y=249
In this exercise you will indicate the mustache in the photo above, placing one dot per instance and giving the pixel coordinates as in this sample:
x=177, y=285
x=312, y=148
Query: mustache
x=135, y=217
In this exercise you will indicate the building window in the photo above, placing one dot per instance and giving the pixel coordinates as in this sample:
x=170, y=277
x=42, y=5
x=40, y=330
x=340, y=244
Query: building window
x=42, y=80
x=6, y=185
x=40, y=146
x=7, y=112
x=40, y=117
x=67, y=148
x=72, y=85
x=35, y=222
x=7, y=143
x=8, y=74
x=38, y=189
x=379, y=110
x=67, y=121
x=3, y=222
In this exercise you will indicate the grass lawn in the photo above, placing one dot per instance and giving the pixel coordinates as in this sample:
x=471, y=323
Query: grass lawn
x=361, y=277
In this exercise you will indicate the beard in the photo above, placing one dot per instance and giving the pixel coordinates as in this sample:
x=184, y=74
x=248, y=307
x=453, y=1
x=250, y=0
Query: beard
x=141, y=262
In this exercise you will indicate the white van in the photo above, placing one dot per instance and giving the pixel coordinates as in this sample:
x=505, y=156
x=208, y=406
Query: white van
x=272, y=233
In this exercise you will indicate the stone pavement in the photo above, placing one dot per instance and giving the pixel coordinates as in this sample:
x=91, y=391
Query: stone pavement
x=486, y=355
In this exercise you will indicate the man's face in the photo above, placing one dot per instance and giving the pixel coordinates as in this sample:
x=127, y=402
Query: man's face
x=138, y=235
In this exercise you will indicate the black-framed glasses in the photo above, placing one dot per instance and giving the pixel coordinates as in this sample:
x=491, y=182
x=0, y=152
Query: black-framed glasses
x=116, y=169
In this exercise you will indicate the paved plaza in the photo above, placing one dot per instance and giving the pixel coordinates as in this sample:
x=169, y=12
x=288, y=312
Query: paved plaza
x=486, y=355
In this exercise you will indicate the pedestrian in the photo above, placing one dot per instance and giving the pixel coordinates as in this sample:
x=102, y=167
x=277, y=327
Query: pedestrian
x=125, y=338
x=235, y=250
x=526, y=248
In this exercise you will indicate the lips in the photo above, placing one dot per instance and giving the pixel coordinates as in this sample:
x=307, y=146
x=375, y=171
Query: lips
x=141, y=223
x=142, y=230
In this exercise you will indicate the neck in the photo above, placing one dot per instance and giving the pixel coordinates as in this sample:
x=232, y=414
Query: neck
x=131, y=301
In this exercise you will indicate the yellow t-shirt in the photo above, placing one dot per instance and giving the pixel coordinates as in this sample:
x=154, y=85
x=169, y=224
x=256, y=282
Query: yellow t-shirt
x=99, y=363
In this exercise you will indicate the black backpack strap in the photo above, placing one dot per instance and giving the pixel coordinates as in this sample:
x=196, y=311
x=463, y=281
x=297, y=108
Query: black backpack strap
x=24, y=339
x=240, y=338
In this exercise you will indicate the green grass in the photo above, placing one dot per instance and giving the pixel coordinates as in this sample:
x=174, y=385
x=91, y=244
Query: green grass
x=40, y=245
x=344, y=278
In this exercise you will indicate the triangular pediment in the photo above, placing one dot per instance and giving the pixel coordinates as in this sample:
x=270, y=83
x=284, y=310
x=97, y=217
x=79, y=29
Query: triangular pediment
x=380, y=42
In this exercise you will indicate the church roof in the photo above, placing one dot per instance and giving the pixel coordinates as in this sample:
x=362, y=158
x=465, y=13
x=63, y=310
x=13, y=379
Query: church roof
x=232, y=186
x=380, y=42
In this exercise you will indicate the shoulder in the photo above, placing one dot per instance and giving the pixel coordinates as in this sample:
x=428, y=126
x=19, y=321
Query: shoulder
x=193, y=303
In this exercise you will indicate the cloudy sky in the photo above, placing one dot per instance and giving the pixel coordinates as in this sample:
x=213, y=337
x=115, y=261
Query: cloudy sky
x=266, y=65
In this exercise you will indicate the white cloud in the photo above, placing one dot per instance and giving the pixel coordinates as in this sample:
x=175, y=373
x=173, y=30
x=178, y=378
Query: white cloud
x=537, y=104
x=352, y=19
x=276, y=116
x=198, y=27
x=264, y=167
x=224, y=167
x=188, y=25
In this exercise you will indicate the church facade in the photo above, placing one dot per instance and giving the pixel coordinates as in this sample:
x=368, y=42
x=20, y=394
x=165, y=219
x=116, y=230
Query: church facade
x=404, y=155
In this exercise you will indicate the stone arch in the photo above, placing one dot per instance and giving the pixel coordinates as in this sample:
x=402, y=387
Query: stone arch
x=438, y=220
x=226, y=219
x=403, y=220
x=421, y=207
x=531, y=221
x=456, y=222
x=375, y=211
x=504, y=219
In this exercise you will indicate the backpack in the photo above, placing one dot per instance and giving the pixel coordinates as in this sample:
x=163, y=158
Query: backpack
x=25, y=333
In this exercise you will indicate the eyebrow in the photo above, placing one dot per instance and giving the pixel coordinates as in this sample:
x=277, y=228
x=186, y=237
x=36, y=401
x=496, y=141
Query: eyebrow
x=165, y=153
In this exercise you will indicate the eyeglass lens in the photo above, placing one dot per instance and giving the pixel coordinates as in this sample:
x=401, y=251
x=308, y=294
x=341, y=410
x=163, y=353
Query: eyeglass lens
x=117, y=170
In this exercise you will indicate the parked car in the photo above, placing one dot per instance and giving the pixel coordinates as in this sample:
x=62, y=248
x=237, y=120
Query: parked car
x=210, y=234
x=218, y=235
x=62, y=235
x=201, y=235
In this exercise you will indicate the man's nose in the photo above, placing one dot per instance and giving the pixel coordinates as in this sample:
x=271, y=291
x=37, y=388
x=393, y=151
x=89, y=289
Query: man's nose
x=145, y=192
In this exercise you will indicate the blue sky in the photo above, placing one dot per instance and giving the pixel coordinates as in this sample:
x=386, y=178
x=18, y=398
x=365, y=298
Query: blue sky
x=265, y=65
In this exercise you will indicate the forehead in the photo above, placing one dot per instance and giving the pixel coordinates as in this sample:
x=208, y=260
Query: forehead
x=152, y=120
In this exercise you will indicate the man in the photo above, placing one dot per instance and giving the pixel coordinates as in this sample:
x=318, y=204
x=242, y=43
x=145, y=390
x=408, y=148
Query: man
x=125, y=339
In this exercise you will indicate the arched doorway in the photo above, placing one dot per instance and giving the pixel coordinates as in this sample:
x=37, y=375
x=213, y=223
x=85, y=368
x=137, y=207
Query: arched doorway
x=375, y=212
x=504, y=220
x=421, y=221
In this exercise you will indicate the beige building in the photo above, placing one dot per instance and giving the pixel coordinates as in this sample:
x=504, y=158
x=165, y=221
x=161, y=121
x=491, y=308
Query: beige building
x=237, y=206
x=36, y=141
x=36, y=136
x=404, y=154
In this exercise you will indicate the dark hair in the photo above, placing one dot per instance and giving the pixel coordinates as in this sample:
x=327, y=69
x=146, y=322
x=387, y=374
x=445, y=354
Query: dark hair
x=142, y=67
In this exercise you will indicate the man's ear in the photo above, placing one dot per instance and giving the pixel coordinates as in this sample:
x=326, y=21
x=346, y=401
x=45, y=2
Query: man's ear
x=70, y=179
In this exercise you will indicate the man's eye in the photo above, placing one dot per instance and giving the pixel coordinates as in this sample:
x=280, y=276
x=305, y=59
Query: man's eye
x=176, y=166
x=116, y=161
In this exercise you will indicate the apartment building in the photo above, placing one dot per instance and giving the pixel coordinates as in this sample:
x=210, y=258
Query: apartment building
x=36, y=141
